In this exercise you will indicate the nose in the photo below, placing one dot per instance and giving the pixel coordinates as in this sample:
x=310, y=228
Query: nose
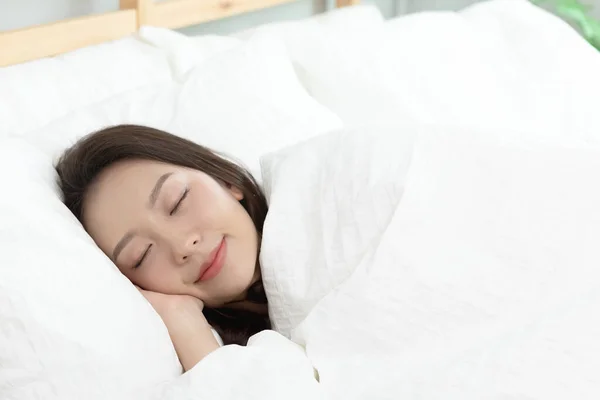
x=185, y=247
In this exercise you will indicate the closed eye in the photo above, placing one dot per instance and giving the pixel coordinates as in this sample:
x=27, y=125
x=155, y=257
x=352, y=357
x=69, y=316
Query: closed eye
x=143, y=257
x=178, y=204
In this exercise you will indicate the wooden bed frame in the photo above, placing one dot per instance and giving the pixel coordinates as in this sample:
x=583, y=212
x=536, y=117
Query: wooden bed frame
x=47, y=40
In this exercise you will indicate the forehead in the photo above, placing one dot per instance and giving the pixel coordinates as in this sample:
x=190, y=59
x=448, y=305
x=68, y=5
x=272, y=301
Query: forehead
x=128, y=177
x=119, y=195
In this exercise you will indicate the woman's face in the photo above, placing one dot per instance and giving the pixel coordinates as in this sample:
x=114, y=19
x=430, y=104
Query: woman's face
x=174, y=230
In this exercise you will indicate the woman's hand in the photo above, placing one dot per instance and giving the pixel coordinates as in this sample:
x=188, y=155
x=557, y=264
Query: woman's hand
x=190, y=333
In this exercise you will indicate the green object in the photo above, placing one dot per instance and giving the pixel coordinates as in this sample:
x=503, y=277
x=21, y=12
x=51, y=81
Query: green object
x=579, y=14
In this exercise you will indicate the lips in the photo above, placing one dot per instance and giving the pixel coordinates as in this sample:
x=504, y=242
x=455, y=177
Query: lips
x=214, y=263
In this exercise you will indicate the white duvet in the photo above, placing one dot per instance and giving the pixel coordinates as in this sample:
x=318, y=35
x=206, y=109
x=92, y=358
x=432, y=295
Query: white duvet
x=476, y=275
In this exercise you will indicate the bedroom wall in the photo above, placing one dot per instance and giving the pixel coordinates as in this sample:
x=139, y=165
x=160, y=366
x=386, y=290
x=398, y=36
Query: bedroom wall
x=301, y=9
x=16, y=14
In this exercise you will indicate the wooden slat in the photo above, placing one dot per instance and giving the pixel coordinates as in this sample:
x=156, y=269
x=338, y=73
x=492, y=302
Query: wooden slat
x=141, y=6
x=180, y=13
x=346, y=3
x=128, y=4
x=48, y=40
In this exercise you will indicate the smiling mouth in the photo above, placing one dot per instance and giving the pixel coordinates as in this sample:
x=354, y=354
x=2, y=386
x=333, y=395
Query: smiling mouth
x=214, y=264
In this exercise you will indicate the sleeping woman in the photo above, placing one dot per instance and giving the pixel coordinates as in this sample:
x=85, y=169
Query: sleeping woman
x=181, y=222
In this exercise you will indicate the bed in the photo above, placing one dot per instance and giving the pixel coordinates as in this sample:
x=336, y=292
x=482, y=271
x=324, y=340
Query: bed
x=433, y=218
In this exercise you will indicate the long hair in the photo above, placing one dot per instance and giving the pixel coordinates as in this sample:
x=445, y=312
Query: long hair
x=80, y=165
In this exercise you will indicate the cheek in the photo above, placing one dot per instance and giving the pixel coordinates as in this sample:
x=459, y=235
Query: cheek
x=158, y=276
x=212, y=210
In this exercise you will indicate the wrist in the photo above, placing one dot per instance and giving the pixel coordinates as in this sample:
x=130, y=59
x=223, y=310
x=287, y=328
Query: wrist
x=193, y=342
x=188, y=324
x=192, y=337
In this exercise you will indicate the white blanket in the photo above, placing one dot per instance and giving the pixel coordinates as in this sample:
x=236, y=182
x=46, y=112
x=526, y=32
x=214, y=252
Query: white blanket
x=481, y=281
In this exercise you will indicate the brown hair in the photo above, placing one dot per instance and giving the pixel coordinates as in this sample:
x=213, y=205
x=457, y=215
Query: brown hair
x=81, y=164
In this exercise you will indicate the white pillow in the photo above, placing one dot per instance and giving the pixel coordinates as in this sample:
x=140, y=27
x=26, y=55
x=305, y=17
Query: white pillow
x=185, y=52
x=73, y=327
x=244, y=102
x=35, y=93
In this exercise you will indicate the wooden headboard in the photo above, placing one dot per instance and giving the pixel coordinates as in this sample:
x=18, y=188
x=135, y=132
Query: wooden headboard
x=40, y=41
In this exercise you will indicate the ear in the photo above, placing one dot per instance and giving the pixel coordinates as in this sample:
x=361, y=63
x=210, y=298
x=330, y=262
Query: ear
x=235, y=192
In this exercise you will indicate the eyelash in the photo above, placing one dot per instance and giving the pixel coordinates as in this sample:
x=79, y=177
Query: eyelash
x=142, y=258
x=185, y=193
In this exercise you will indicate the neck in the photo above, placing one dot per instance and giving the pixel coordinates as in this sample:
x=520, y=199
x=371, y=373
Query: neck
x=259, y=308
x=243, y=301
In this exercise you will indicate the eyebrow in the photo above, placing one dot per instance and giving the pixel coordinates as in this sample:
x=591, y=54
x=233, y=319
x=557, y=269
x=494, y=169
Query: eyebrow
x=121, y=245
x=152, y=200
x=157, y=187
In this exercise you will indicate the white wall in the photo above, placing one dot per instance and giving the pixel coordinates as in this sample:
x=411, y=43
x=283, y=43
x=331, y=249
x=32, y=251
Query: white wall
x=16, y=14
x=20, y=13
